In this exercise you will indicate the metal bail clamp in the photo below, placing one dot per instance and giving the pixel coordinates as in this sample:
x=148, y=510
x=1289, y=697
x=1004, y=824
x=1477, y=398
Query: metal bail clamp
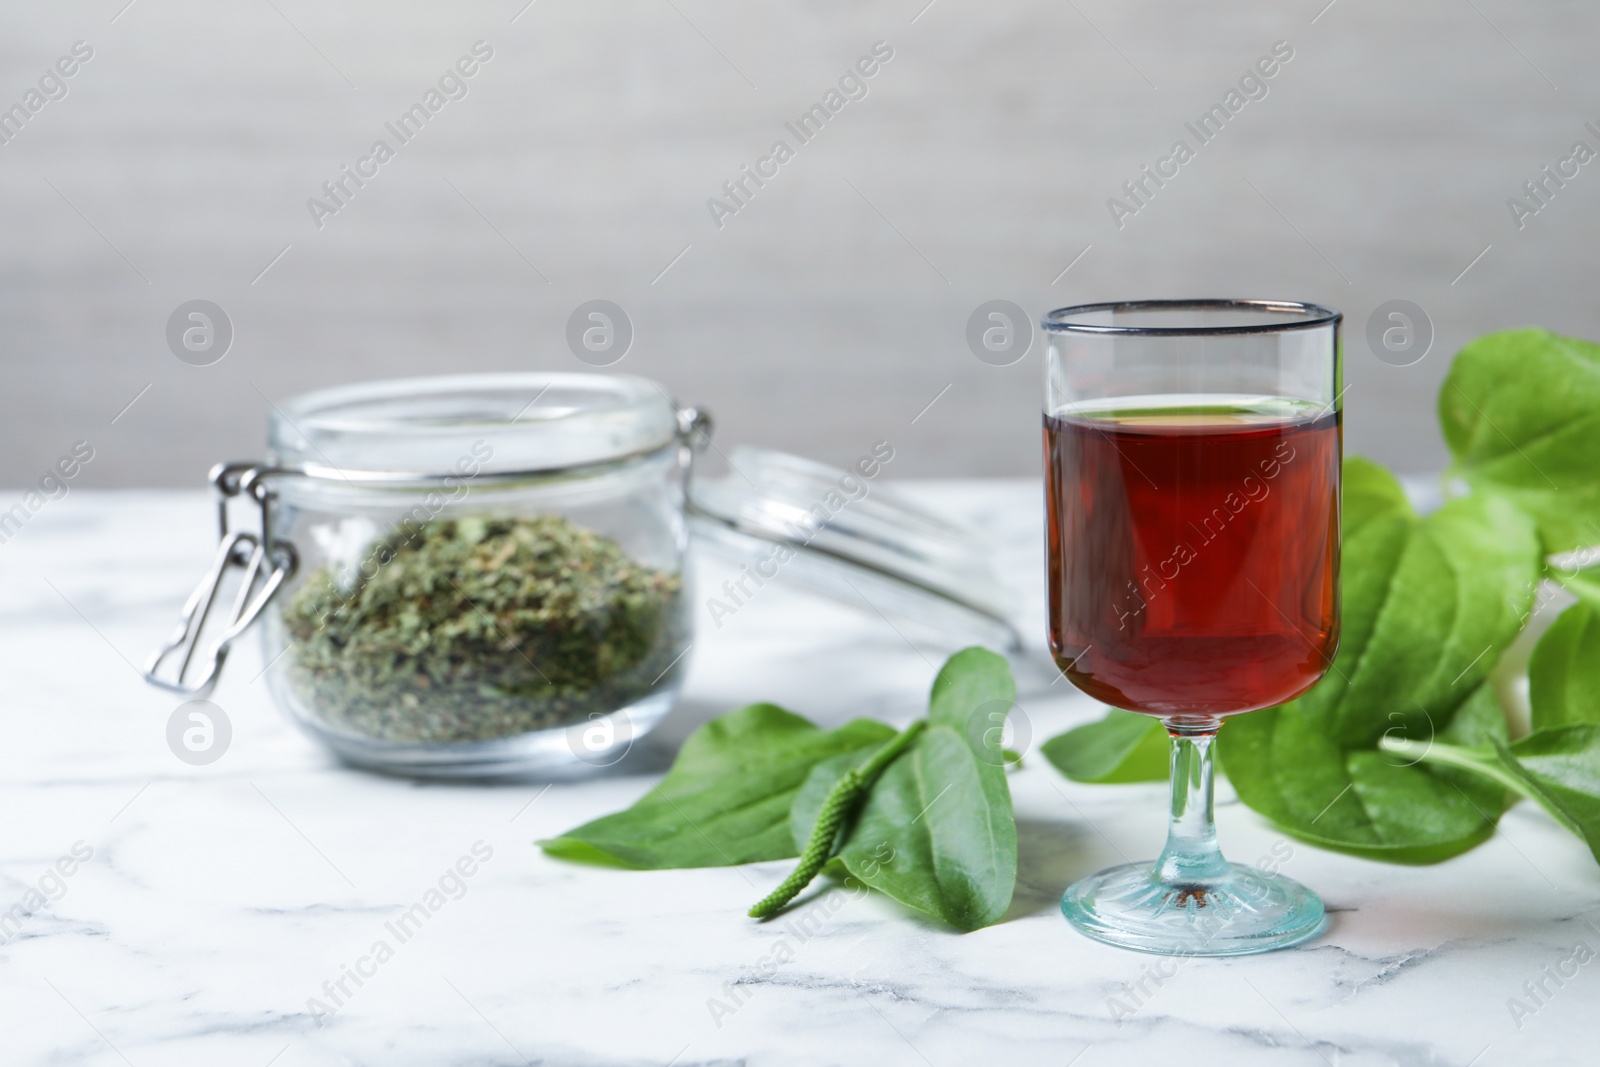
x=249, y=553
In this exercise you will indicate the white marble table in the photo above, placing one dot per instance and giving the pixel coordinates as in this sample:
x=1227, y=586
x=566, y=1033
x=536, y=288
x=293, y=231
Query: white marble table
x=219, y=899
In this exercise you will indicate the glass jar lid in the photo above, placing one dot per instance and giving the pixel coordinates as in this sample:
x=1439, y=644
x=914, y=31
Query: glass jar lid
x=423, y=426
x=848, y=537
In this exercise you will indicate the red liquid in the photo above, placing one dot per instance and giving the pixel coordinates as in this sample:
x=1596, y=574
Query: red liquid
x=1193, y=555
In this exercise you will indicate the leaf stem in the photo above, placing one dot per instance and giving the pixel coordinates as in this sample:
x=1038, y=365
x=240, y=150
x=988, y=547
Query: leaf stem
x=1478, y=761
x=841, y=803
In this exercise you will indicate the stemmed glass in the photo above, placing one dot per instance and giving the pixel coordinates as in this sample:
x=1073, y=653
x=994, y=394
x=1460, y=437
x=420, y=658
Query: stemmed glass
x=1193, y=451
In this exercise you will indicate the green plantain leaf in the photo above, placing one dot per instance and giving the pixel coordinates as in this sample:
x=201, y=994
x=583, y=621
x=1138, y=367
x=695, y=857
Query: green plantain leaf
x=1584, y=583
x=1560, y=768
x=1366, y=802
x=937, y=831
x=971, y=688
x=1122, y=747
x=1520, y=410
x=1557, y=767
x=726, y=799
x=1564, y=671
x=1429, y=604
x=1368, y=492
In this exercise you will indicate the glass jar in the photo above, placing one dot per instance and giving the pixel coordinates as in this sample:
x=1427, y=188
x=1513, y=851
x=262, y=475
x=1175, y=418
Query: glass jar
x=486, y=575
x=473, y=575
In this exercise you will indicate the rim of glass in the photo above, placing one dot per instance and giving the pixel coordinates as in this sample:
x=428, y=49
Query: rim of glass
x=1311, y=316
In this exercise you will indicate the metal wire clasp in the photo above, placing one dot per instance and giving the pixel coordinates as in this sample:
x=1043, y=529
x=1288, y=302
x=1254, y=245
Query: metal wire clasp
x=264, y=564
x=695, y=428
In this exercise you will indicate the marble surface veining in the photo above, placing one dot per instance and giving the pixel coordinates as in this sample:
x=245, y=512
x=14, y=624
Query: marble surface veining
x=217, y=902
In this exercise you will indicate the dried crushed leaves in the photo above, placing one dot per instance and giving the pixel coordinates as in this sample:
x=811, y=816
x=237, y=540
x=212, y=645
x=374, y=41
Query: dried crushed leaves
x=479, y=628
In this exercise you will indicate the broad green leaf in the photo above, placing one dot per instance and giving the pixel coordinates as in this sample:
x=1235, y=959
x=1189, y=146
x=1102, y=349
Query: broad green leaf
x=1122, y=747
x=1365, y=802
x=973, y=688
x=726, y=799
x=1584, y=583
x=1368, y=492
x=1429, y=604
x=1564, y=671
x=1520, y=410
x=1560, y=768
x=808, y=801
x=936, y=833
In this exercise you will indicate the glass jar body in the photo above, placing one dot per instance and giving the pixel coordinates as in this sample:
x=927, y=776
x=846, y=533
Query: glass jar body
x=481, y=625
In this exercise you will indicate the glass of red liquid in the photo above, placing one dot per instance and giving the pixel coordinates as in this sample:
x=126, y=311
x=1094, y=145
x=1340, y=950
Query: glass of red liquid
x=1193, y=451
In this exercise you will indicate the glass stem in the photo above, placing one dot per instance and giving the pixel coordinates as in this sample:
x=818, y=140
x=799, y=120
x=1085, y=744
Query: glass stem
x=1191, y=854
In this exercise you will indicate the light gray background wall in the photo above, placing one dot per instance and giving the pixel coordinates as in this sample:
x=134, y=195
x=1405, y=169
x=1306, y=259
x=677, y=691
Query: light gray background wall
x=830, y=310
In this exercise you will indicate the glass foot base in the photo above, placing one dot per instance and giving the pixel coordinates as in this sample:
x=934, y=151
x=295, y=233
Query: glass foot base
x=1243, y=912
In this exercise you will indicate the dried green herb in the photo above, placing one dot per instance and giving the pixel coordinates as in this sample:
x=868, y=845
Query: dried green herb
x=478, y=628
